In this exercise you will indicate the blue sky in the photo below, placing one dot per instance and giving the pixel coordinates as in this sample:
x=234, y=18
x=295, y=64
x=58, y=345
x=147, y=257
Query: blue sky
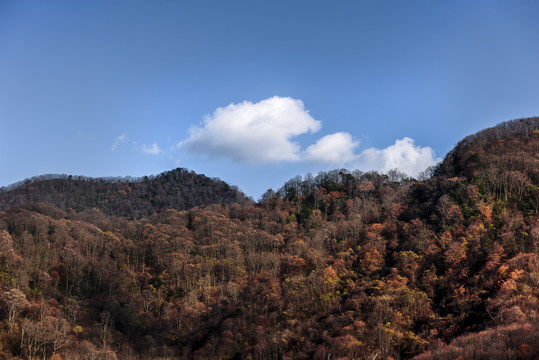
x=256, y=92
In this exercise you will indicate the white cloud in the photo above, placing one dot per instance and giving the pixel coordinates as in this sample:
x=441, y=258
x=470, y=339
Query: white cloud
x=403, y=155
x=263, y=132
x=152, y=150
x=336, y=149
x=119, y=141
x=253, y=132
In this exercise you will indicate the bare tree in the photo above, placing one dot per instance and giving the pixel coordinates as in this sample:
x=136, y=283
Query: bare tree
x=106, y=322
x=15, y=301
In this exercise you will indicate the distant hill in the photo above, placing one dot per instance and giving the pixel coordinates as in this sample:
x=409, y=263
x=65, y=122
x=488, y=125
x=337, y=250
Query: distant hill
x=340, y=265
x=178, y=189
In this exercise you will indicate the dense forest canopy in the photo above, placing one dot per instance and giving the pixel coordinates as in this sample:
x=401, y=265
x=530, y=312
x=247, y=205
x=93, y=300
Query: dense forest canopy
x=178, y=189
x=340, y=265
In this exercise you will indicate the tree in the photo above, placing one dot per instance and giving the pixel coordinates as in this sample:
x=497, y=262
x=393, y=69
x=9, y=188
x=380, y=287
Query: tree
x=15, y=301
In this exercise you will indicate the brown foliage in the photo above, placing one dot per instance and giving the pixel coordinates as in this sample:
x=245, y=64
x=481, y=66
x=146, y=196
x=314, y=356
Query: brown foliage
x=347, y=265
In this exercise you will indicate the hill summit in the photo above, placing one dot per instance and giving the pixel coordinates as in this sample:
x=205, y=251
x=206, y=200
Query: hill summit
x=178, y=189
x=341, y=265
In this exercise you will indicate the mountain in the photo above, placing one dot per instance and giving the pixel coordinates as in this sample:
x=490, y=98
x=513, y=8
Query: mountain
x=341, y=265
x=500, y=163
x=178, y=189
x=504, y=159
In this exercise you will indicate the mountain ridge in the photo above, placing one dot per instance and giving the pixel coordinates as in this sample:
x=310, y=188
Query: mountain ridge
x=179, y=188
x=347, y=265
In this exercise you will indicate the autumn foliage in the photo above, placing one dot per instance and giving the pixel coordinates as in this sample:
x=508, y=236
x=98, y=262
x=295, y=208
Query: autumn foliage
x=341, y=265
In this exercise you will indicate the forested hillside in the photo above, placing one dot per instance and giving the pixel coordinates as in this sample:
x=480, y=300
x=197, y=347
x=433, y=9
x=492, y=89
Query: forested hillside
x=341, y=265
x=178, y=189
